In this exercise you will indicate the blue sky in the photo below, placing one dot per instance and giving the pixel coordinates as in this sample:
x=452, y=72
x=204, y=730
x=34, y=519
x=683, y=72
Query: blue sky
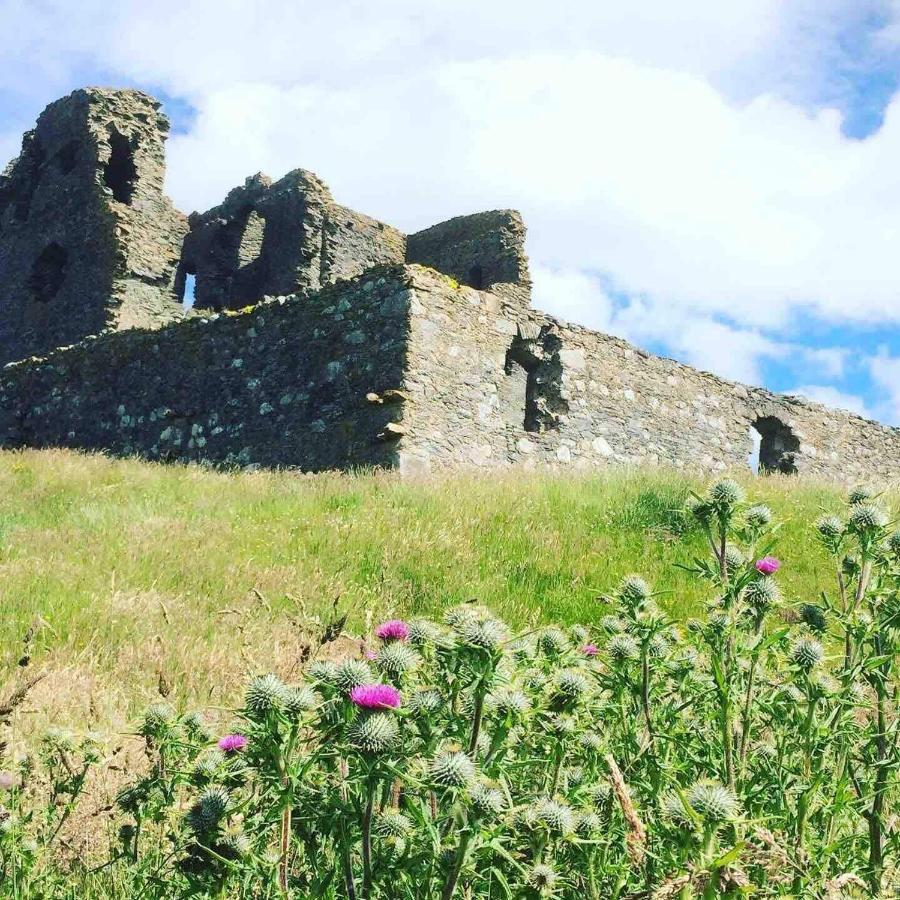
x=718, y=182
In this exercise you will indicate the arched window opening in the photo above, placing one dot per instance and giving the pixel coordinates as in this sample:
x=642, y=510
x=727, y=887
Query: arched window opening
x=48, y=273
x=775, y=447
x=189, y=294
x=120, y=171
x=476, y=277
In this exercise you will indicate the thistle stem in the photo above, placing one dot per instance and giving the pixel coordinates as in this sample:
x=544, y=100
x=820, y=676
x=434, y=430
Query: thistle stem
x=367, y=843
x=456, y=867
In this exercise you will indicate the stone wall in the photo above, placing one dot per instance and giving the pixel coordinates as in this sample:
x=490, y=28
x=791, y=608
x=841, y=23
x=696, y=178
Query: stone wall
x=285, y=384
x=270, y=239
x=88, y=240
x=405, y=367
x=491, y=386
x=485, y=251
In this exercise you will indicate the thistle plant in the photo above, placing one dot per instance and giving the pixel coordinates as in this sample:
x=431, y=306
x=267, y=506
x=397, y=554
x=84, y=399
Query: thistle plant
x=755, y=747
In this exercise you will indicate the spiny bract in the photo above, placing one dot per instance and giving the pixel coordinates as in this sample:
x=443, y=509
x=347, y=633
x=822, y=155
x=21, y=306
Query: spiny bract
x=397, y=659
x=352, y=672
x=806, y=653
x=867, y=517
x=374, y=732
x=452, y=768
x=713, y=802
x=265, y=693
x=209, y=810
x=726, y=493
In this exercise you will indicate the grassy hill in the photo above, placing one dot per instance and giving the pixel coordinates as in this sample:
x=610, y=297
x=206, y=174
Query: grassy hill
x=125, y=579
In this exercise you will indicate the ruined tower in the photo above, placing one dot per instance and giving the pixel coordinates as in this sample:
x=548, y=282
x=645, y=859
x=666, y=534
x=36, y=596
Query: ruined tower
x=88, y=240
x=270, y=238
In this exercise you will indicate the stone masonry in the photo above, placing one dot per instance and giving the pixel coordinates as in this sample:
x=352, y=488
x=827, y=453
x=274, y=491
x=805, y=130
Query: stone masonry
x=271, y=239
x=325, y=339
x=88, y=240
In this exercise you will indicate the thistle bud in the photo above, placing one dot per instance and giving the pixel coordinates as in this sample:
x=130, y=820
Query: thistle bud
x=859, y=495
x=209, y=810
x=570, y=685
x=324, y=671
x=830, y=528
x=422, y=632
x=713, y=802
x=452, y=769
x=813, y=617
x=158, y=721
x=425, y=702
x=634, y=591
x=298, y=700
x=265, y=694
x=352, y=672
x=623, y=648
x=374, y=732
x=726, y=494
x=759, y=516
x=392, y=823
x=734, y=559
x=762, y=594
x=866, y=518
x=612, y=624
x=555, y=817
x=208, y=767
x=487, y=800
x=806, y=653
x=509, y=703
x=397, y=659
x=234, y=845
x=552, y=641
x=542, y=878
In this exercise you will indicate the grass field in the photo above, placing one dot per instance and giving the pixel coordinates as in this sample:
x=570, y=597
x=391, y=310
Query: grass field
x=138, y=579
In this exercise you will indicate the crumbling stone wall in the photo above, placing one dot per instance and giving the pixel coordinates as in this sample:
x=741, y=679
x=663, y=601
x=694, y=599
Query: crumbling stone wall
x=493, y=386
x=485, y=251
x=88, y=240
x=270, y=239
x=404, y=367
x=286, y=384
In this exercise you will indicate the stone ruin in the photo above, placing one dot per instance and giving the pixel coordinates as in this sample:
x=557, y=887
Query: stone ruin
x=88, y=240
x=322, y=338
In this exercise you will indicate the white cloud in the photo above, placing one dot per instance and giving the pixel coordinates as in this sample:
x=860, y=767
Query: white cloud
x=676, y=148
x=575, y=296
x=199, y=46
x=647, y=175
x=831, y=396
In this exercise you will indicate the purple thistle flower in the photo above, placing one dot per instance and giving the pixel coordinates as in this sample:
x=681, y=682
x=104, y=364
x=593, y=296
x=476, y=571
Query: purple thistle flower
x=590, y=649
x=375, y=696
x=768, y=565
x=232, y=743
x=393, y=630
x=370, y=655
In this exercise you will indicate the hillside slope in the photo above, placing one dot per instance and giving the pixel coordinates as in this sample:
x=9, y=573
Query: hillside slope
x=145, y=578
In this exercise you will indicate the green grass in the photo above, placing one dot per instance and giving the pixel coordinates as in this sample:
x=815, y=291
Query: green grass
x=147, y=574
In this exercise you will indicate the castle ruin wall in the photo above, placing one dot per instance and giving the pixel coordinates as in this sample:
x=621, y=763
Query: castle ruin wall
x=405, y=368
x=271, y=239
x=485, y=251
x=491, y=386
x=284, y=384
